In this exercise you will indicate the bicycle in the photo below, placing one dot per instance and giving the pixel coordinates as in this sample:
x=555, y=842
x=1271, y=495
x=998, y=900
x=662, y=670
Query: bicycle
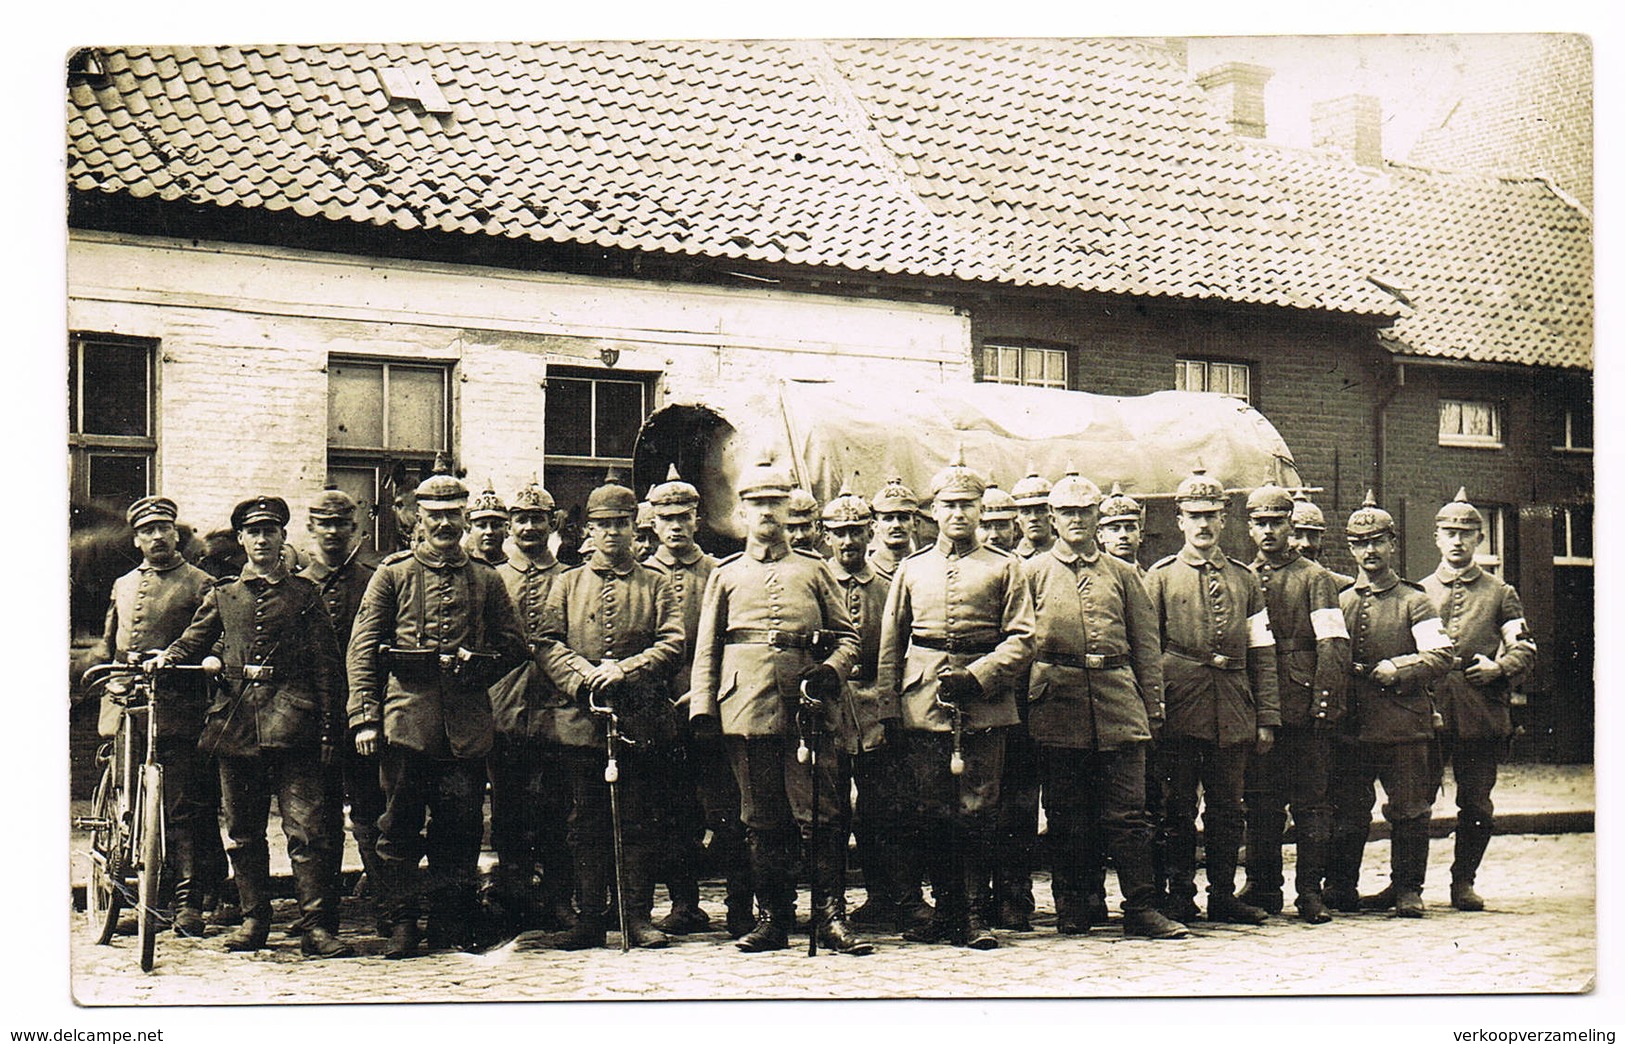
x=126, y=820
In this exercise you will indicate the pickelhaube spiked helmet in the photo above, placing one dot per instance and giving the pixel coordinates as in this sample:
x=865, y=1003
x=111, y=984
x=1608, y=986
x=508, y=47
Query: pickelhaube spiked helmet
x=441, y=490
x=894, y=497
x=1200, y=491
x=1073, y=491
x=332, y=503
x=958, y=481
x=846, y=509
x=532, y=497
x=764, y=480
x=1368, y=519
x=1306, y=514
x=803, y=506
x=997, y=505
x=487, y=504
x=1032, y=491
x=1269, y=501
x=673, y=496
x=1118, y=506
x=1459, y=514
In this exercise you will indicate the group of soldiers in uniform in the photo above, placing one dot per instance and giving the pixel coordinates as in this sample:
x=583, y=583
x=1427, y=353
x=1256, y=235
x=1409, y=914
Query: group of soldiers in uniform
x=652, y=710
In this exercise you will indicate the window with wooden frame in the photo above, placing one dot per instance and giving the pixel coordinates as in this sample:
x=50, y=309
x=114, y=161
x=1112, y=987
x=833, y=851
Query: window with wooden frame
x=590, y=426
x=112, y=434
x=1572, y=536
x=1032, y=367
x=1492, y=550
x=1470, y=423
x=387, y=420
x=1575, y=435
x=1211, y=375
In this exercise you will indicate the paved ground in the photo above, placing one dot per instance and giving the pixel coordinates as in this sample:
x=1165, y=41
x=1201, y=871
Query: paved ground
x=1539, y=936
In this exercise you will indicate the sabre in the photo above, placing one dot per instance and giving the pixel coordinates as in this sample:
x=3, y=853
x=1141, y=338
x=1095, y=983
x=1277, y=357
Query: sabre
x=956, y=716
x=807, y=754
x=612, y=776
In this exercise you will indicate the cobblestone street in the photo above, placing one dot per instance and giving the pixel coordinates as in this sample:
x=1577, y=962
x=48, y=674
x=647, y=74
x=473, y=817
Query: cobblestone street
x=1539, y=936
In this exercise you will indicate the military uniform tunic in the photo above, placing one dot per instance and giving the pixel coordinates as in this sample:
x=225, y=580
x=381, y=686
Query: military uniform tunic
x=866, y=704
x=342, y=588
x=1482, y=616
x=150, y=608
x=687, y=577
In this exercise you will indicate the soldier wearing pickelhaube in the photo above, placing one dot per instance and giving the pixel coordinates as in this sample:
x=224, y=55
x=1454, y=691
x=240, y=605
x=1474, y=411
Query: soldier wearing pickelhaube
x=1122, y=527
x=612, y=635
x=801, y=527
x=1312, y=662
x=150, y=607
x=954, y=645
x=435, y=630
x=1219, y=685
x=1031, y=495
x=758, y=677
x=488, y=527
x=1483, y=618
x=644, y=539
x=705, y=795
x=1095, y=699
x=998, y=527
x=274, y=727
x=530, y=800
x=895, y=507
x=1400, y=650
x=1308, y=532
x=342, y=569
x=894, y=900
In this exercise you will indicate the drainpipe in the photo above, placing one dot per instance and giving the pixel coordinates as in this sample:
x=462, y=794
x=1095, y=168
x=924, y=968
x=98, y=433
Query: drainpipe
x=1381, y=424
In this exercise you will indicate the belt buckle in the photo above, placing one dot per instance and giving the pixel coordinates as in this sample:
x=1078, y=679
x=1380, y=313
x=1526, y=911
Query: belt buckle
x=253, y=672
x=1094, y=661
x=1221, y=661
x=773, y=638
x=448, y=661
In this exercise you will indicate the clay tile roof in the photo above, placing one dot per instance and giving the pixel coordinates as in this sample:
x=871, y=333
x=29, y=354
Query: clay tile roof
x=1496, y=268
x=1085, y=165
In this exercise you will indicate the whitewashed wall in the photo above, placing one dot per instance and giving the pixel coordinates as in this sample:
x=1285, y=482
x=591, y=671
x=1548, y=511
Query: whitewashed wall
x=245, y=333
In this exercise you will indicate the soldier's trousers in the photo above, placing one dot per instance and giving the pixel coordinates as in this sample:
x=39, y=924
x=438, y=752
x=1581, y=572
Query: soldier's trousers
x=889, y=875
x=1295, y=772
x=952, y=818
x=776, y=797
x=1216, y=773
x=1404, y=773
x=530, y=809
x=433, y=807
x=643, y=792
x=191, y=828
x=704, y=797
x=1095, y=803
x=298, y=781
x=1475, y=765
x=1017, y=832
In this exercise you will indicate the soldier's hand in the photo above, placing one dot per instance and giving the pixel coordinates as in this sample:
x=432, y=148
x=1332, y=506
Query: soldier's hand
x=156, y=662
x=820, y=682
x=605, y=676
x=1483, y=670
x=366, y=740
x=1385, y=673
x=958, y=685
x=1266, y=739
x=681, y=704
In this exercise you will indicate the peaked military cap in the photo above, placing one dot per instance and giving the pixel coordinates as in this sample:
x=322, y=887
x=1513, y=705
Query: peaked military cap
x=532, y=497
x=1369, y=520
x=1032, y=491
x=763, y=480
x=803, y=506
x=259, y=509
x=1306, y=514
x=487, y=504
x=673, y=496
x=846, y=510
x=958, y=481
x=895, y=497
x=151, y=509
x=1269, y=501
x=333, y=503
x=441, y=491
x=612, y=500
x=997, y=504
x=1200, y=491
x=1118, y=505
x=1459, y=514
x=1073, y=491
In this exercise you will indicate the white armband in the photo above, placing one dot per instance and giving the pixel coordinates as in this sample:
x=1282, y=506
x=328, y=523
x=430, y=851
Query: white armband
x=1514, y=632
x=1258, y=630
x=1328, y=623
x=1430, y=636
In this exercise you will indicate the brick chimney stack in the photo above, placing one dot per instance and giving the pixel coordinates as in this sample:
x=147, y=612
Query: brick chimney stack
x=1237, y=88
x=1351, y=125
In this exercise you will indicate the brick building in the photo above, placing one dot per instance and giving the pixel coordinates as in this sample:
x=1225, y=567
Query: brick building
x=289, y=265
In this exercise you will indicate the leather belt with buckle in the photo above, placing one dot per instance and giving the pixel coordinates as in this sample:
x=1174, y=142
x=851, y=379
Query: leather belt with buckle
x=962, y=646
x=1089, y=661
x=774, y=637
x=252, y=672
x=1218, y=661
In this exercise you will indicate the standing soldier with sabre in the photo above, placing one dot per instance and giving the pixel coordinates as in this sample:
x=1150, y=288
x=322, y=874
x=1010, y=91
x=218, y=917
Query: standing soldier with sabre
x=1484, y=620
x=1312, y=659
x=611, y=638
x=767, y=609
x=435, y=630
x=954, y=645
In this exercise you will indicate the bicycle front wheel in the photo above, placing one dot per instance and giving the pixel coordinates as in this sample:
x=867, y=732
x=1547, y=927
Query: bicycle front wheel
x=152, y=861
x=104, y=895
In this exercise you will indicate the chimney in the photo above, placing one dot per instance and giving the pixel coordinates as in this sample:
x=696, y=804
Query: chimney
x=1238, y=90
x=1351, y=125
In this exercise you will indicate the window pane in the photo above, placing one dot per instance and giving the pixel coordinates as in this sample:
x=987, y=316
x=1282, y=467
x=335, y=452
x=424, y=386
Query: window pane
x=567, y=418
x=417, y=408
x=1009, y=365
x=620, y=413
x=1477, y=419
x=117, y=479
x=1449, y=418
x=1238, y=381
x=990, y=364
x=355, y=404
x=115, y=389
x=1055, y=368
x=1580, y=531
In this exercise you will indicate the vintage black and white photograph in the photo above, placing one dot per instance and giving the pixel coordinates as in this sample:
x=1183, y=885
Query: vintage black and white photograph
x=807, y=518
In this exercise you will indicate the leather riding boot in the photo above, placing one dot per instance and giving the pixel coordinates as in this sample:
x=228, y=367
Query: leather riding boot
x=977, y=934
x=188, y=909
x=1222, y=905
x=318, y=941
x=912, y=909
x=1343, y=857
x=1150, y=923
x=834, y=931
x=251, y=935
x=879, y=908
x=739, y=900
x=686, y=916
x=1410, y=862
x=641, y=865
x=829, y=899
x=1471, y=841
x=947, y=923
x=313, y=885
x=770, y=863
x=251, y=865
x=403, y=941
x=1264, y=883
x=1311, y=871
x=1092, y=908
x=593, y=870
